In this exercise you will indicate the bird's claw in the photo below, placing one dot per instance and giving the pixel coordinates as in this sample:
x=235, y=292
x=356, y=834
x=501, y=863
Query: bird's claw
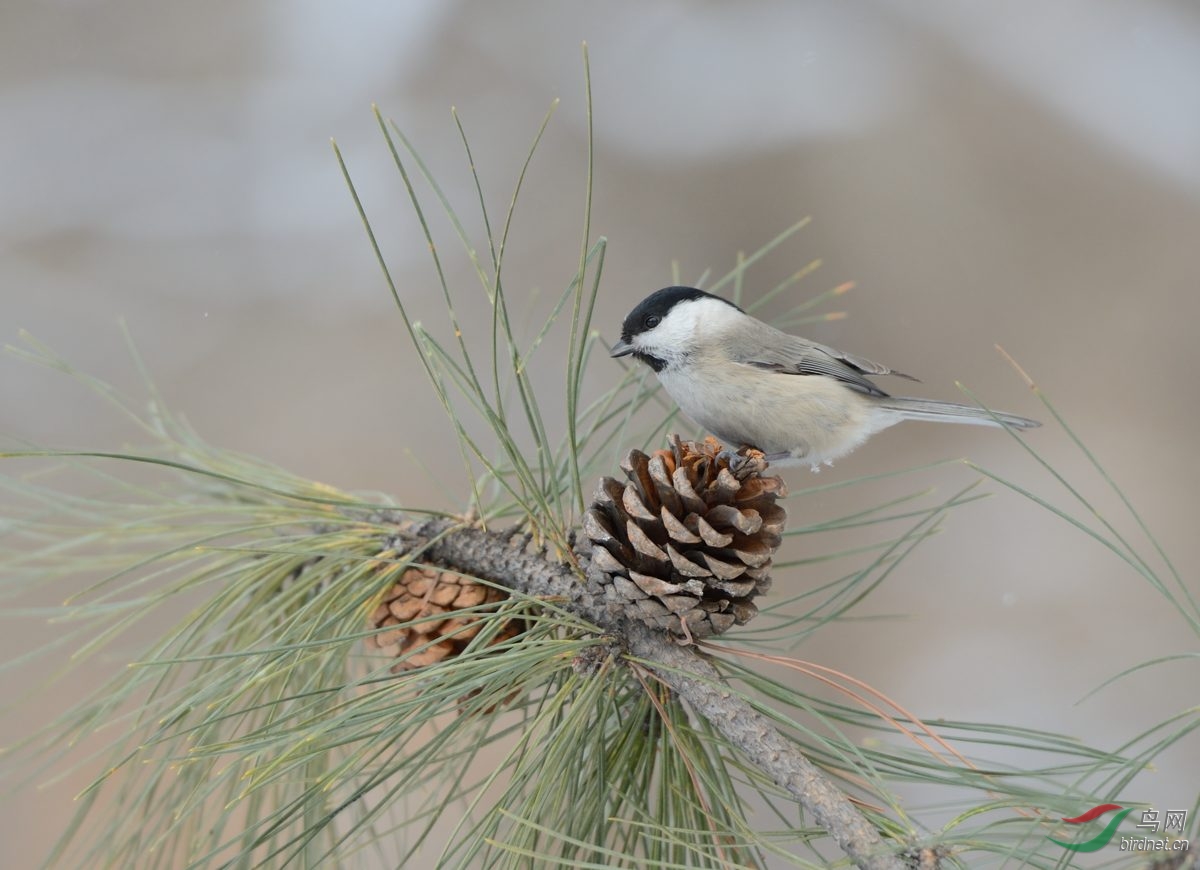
x=731, y=458
x=743, y=461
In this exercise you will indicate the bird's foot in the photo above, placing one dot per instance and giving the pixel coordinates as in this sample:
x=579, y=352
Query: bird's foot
x=744, y=461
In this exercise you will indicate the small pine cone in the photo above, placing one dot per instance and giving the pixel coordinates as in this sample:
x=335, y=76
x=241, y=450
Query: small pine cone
x=412, y=605
x=688, y=537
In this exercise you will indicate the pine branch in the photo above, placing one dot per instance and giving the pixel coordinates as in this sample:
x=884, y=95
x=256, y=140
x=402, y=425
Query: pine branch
x=508, y=561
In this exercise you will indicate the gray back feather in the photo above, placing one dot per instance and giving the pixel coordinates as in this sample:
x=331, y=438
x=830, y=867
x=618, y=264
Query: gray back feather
x=765, y=347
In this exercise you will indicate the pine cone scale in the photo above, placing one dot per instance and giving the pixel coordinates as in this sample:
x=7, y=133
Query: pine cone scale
x=687, y=493
x=685, y=566
x=678, y=530
x=710, y=535
x=642, y=543
x=723, y=570
x=745, y=520
x=634, y=506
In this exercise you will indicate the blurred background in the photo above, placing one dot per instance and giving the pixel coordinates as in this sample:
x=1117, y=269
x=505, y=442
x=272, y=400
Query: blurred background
x=1024, y=174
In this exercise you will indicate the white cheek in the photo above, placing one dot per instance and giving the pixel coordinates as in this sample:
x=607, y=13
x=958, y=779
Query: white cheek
x=685, y=325
x=678, y=330
x=675, y=334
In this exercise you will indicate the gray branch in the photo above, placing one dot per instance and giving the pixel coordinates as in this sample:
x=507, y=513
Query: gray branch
x=510, y=563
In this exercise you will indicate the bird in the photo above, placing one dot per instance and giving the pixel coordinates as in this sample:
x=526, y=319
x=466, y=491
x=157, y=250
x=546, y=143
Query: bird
x=754, y=386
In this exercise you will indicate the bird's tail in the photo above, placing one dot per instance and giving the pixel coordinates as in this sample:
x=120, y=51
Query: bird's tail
x=952, y=412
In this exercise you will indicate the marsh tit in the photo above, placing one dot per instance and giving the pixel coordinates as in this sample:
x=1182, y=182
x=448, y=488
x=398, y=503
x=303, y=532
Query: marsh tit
x=751, y=385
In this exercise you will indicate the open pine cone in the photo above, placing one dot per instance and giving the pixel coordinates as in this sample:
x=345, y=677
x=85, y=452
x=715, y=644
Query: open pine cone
x=424, y=594
x=688, y=537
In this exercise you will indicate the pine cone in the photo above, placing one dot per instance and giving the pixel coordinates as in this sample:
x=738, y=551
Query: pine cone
x=424, y=594
x=688, y=537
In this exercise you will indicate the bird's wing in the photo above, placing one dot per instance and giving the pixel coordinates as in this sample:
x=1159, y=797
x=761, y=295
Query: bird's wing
x=799, y=356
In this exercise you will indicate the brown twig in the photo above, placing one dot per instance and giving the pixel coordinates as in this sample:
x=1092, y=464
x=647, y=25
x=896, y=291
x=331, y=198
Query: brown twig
x=687, y=671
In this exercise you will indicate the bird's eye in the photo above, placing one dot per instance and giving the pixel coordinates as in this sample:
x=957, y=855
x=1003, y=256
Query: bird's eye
x=651, y=321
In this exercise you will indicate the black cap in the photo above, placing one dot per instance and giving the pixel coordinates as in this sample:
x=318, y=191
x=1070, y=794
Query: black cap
x=657, y=304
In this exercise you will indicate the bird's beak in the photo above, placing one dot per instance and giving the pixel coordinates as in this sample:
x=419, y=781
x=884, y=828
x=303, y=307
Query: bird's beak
x=621, y=348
